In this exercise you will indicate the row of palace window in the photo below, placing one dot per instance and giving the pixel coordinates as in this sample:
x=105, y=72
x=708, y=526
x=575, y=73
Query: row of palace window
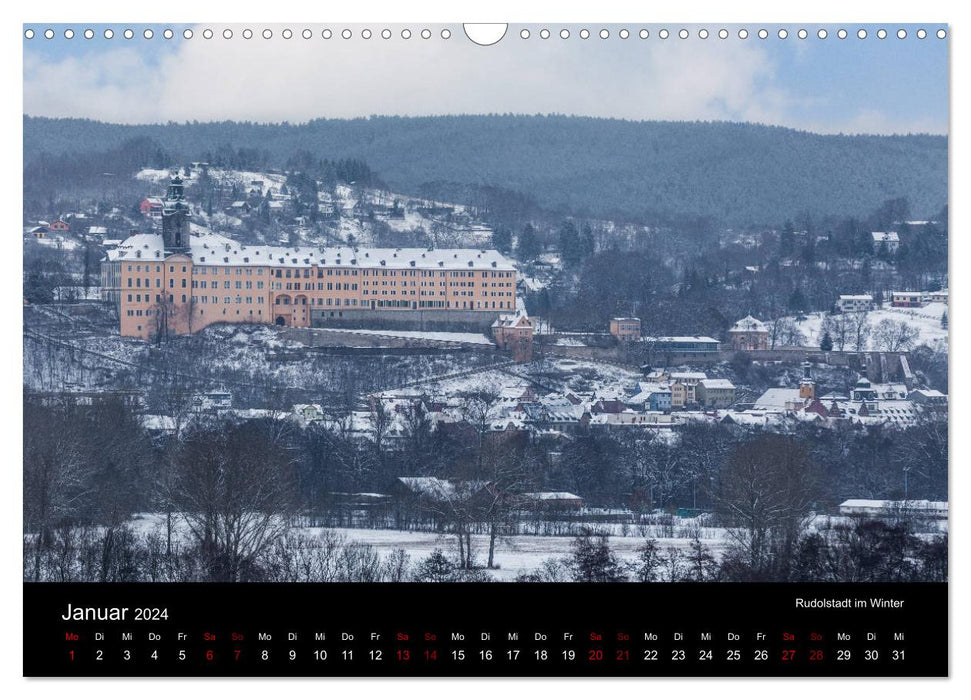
x=332, y=272
x=201, y=284
x=205, y=299
x=382, y=303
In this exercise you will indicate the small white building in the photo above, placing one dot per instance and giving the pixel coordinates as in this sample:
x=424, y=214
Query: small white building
x=848, y=303
x=885, y=240
x=308, y=412
x=931, y=510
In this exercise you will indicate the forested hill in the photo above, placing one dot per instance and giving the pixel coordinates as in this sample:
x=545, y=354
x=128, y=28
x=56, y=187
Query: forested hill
x=737, y=173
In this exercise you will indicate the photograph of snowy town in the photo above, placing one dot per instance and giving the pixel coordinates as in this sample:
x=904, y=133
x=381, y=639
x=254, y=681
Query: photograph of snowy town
x=517, y=343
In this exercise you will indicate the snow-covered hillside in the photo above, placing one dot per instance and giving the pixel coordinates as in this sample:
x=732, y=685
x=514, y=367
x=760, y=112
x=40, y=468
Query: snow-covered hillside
x=927, y=320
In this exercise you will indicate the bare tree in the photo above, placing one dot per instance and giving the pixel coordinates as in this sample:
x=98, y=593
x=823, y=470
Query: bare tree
x=840, y=327
x=54, y=473
x=479, y=410
x=785, y=332
x=859, y=330
x=895, y=336
x=500, y=506
x=236, y=490
x=766, y=490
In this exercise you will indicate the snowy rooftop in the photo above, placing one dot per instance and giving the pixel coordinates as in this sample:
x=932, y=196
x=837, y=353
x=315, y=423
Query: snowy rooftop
x=680, y=339
x=213, y=249
x=511, y=320
x=910, y=505
x=748, y=325
x=885, y=236
x=717, y=384
x=777, y=399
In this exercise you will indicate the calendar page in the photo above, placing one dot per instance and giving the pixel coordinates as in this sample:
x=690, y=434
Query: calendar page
x=485, y=350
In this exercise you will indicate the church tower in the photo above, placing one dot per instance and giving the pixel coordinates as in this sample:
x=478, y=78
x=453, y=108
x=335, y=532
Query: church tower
x=175, y=218
x=807, y=387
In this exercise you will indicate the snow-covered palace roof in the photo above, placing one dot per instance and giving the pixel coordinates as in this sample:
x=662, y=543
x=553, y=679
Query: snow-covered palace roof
x=213, y=249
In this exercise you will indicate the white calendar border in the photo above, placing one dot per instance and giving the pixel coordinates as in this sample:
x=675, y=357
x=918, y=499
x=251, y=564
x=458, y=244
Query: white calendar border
x=435, y=11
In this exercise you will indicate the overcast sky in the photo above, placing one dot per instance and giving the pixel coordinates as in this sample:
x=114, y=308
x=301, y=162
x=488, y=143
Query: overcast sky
x=830, y=85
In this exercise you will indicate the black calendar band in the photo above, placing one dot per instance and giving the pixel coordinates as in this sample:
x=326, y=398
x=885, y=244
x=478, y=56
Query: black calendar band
x=340, y=630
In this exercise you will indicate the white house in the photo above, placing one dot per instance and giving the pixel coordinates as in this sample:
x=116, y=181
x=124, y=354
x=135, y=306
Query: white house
x=848, y=303
x=886, y=240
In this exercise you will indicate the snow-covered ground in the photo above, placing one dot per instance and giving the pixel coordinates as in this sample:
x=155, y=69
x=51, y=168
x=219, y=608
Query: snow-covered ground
x=561, y=375
x=514, y=555
x=468, y=338
x=927, y=320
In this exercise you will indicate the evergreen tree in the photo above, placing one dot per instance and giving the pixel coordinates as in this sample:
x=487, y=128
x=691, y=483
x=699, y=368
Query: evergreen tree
x=528, y=246
x=593, y=561
x=786, y=239
x=797, y=301
x=502, y=239
x=826, y=344
x=436, y=568
x=944, y=320
x=588, y=245
x=649, y=562
x=571, y=249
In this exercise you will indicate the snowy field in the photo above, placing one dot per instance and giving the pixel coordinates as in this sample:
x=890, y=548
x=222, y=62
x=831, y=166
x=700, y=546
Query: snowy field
x=514, y=555
x=926, y=319
x=561, y=375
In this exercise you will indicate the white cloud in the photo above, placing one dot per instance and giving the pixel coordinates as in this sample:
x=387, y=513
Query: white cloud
x=297, y=79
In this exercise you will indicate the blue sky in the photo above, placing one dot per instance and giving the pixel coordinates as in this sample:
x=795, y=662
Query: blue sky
x=831, y=85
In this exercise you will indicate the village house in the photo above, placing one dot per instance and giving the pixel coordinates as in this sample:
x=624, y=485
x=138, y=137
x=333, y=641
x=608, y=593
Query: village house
x=683, y=388
x=849, y=303
x=906, y=299
x=626, y=330
x=715, y=393
x=887, y=241
x=749, y=334
x=514, y=332
x=151, y=208
x=308, y=412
